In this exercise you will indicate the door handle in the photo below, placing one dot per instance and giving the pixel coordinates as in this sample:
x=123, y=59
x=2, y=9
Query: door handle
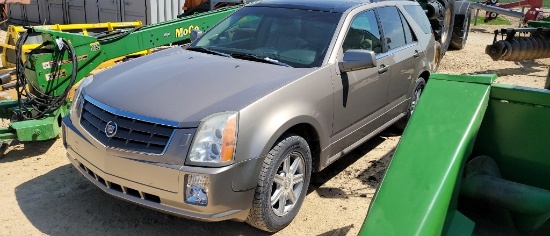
x=415, y=55
x=383, y=69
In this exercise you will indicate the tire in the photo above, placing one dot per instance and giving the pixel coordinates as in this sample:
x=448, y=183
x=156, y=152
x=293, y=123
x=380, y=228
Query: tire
x=460, y=30
x=443, y=26
x=418, y=88
x=291, y=152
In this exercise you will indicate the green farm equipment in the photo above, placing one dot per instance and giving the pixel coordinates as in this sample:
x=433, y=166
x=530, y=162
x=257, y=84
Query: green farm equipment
x=473, y=159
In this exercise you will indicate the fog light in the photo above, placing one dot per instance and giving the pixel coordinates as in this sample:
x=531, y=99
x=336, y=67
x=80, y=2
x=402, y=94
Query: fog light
x=196, y=191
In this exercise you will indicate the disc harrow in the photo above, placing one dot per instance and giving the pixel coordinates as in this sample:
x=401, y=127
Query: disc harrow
x=520, y=44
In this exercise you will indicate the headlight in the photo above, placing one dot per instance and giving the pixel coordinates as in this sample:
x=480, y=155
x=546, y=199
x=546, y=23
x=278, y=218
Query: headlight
x=215, y=139
x=76, y=104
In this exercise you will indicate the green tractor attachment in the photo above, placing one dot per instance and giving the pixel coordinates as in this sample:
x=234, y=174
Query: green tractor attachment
x=473, y=160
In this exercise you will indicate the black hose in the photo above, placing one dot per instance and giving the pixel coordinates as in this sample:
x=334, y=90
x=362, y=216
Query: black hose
x=28, y=95
x=116, y=36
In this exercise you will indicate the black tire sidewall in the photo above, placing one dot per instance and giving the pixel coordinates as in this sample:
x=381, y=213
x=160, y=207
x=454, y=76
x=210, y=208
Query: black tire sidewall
x=402, y=123
x=461, y=31
x=420, y=82
x=290, y=144
x=449, y=4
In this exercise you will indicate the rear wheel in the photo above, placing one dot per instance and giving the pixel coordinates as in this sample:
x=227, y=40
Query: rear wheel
x=460, y=31
x=443, y=25
x=415, y=97
x=282, y=184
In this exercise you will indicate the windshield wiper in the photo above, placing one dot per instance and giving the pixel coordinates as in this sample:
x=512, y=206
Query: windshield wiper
x=208, y=50
x=258, y=58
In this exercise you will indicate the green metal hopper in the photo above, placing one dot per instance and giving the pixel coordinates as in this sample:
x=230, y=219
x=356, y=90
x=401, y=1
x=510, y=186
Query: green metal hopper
x=474, y=159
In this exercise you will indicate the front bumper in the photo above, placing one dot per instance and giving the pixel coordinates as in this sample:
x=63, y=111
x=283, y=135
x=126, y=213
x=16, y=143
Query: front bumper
x=156, y=185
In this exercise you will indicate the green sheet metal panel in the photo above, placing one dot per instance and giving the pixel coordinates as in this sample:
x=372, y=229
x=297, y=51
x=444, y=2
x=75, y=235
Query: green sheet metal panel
x=515, y=134
x=417, y=192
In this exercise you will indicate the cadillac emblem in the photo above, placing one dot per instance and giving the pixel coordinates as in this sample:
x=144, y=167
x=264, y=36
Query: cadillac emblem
x=110, y=129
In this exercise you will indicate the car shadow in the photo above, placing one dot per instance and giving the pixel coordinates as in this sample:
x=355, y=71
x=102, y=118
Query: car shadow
x=320, y=178
x=372, y=176
x=62, y=202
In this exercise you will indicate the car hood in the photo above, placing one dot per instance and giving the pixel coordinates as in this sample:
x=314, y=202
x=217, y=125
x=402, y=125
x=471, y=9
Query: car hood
x=185, y=86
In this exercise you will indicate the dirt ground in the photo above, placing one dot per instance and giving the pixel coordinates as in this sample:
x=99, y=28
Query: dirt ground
x=43, y=194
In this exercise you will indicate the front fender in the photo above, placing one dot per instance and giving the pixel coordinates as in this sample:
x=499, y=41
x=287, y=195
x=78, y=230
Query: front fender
x=307, y=100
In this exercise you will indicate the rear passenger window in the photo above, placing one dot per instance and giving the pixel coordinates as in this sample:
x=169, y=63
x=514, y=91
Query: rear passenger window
x=394, y=35
x=397, y=32
x=419, y=16
x=410, y=37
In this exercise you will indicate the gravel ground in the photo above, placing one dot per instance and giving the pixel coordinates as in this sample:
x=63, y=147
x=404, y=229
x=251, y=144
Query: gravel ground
x=44, y=194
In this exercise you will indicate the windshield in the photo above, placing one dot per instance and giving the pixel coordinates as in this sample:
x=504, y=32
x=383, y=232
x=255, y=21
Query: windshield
x=293, y=37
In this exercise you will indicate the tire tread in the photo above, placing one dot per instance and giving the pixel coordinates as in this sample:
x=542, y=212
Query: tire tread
x=257, y=215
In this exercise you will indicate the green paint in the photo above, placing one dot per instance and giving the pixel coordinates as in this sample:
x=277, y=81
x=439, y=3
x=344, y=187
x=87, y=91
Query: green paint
x=460, y=117
x=545, y=23
x=415, y=196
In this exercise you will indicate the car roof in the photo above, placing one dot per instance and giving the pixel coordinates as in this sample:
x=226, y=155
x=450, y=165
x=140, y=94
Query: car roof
x=338, y=6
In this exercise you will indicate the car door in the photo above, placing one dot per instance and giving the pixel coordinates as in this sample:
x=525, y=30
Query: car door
x=405, y=53
x=360, y=96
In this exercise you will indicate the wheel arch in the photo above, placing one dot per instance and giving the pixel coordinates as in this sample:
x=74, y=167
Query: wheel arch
x=304, y=126
x=307, y=132
x=261, y=140
x=426, y=75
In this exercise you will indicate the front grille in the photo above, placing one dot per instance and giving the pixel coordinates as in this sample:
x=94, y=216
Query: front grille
x=132, y=134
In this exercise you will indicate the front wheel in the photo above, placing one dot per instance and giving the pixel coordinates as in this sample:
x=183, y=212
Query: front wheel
x=282, y=184
x=418, y=88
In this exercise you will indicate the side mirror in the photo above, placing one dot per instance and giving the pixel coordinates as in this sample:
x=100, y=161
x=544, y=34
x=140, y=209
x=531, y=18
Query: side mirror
x=357, y=59
x=195, y=34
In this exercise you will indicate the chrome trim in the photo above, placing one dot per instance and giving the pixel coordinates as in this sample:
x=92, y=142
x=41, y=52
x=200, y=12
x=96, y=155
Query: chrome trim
x=114, y=129
x=130, y=115
x=137, y=152
x=127, y=115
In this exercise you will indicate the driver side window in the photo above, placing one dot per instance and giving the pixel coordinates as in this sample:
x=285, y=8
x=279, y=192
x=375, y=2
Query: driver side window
x=363, y=33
